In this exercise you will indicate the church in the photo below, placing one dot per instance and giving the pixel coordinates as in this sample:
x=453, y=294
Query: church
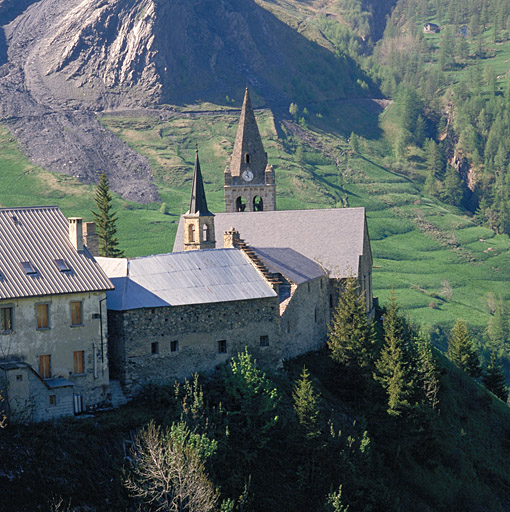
x=252, y=277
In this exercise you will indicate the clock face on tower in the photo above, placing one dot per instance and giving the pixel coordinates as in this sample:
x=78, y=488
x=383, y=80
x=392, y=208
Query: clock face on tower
x=247, y=175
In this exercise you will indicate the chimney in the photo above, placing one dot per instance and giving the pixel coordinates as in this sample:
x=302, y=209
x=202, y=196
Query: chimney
x=76, y=232
x=231, y=238
x=90, y=238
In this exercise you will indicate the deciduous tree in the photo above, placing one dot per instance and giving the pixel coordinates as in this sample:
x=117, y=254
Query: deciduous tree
x=167, y=470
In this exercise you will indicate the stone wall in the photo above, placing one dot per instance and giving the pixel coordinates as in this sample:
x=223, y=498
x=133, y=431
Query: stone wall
x=305, y=318
x=248, y=193
x=159, y=345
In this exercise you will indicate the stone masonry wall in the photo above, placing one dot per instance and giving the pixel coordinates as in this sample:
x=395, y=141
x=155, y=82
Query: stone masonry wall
x=141, y=339
x=304, y=323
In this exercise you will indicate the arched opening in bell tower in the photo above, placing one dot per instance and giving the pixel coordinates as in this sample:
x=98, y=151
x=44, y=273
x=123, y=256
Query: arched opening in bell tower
x=240, y=204
x=258, y=204
x=191, y=233
x=205, y=233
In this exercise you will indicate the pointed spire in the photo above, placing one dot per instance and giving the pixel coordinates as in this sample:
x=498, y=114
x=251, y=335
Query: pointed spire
x=198, y=203
x=248, y=147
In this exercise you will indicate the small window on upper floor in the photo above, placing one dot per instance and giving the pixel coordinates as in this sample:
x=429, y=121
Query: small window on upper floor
x=62, y=265
x=174, y=346
x=247, y=158
x=6, y=319
x=205, y=233
x=155, y=348
x=42, y=316
x=28, y=267
x=76, y=313
x=264, y=341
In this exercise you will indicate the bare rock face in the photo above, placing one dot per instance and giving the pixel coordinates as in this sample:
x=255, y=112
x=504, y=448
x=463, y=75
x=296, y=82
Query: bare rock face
x=65, y=60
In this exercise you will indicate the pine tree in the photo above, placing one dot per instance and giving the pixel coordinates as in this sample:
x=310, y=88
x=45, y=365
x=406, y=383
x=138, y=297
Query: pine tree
x=494, y=379
x=352, y=336
x=306, y=405
x=461, y=350
x=428, y=372
x=497, y=330
x=105, y=220
x=395, y=367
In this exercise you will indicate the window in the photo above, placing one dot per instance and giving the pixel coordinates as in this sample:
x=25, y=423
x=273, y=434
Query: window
x=264, y=341
x=247, y=158
x=331, y=301
x=288, y=326
x=76, y=313
x=45, y=366
x=78, y=361
x=174, y=346
x=41, y=313
x=155, y=347
x=191, y=233
x=315, y=313
x=222, y=346
x=6, y=315
x=53, y=400
x=19, y=377
x=28, y=267
x=205, y=233
x=62, y=265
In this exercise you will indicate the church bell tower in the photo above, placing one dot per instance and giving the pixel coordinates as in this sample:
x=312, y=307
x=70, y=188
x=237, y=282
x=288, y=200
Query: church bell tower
x=198, y=220
x=249, y=180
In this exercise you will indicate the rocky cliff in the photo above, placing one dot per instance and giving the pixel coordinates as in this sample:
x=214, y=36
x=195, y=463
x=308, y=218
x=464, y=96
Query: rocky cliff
x=64, y=60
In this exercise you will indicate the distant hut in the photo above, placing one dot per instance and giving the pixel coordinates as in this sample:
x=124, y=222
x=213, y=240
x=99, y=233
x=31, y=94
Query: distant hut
x=431, y=28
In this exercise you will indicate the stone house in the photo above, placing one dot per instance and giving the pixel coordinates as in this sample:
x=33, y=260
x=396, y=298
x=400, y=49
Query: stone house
x=53, y=329
x=431, y=28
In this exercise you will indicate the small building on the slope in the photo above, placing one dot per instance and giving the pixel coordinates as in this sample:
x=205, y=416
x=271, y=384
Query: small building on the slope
x=172, y=315
x=431, y=28
x=53, y=328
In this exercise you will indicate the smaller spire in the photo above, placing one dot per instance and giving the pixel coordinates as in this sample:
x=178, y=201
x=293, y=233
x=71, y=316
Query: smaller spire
x=198, y=203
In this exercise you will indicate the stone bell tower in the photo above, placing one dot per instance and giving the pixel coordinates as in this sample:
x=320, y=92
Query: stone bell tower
x=198, y=220
x=249, y=181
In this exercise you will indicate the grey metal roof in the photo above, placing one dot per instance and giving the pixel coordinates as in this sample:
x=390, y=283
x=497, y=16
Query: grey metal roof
x=191, y=277
x=293, y=265
x=40, y=235
x=331, y=237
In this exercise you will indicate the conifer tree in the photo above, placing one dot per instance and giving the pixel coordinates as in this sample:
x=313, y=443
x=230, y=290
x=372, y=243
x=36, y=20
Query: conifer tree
x=306, y=405
x=494, y=379
x=497, y=330
x=352, y=337
x=461, y=350
x=106, y=220
x=428, y=372
x=395, y=367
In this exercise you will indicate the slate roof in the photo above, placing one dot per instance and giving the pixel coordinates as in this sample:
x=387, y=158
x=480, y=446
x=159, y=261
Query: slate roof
x=333, y=238
x=40, y=235
x=294, y=266
x=191, y=277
